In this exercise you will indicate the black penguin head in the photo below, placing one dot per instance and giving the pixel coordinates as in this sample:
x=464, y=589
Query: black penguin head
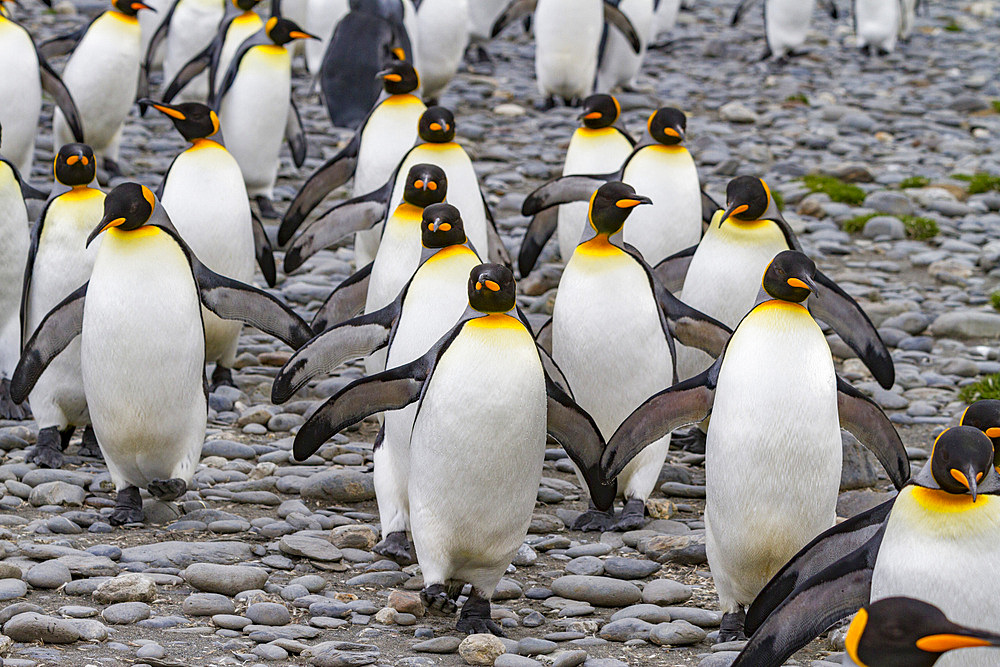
x=600, y=110
x=442, y=226
x=75, y=165
x=128, y=207
x=426, y=184
x=747, y=199
x=667, y=126
x=904, y=632
x=245, y=5
x=399, y=78
x=790, y=276
x=281, y=31
x=130, y=7
x=491, y=288
x=192, y=119
x=985, y=415
x=611, y=205
x=437, y=125
x=961, y=459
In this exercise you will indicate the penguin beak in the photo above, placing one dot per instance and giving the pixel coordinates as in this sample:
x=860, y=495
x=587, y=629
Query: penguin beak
x=734, y=209
x=674, y=132
x=388, y=75
x=102, y=226
x=968, y=479
x=589, y=115
x=301, y=34
x=488, y=284
x=951, y=641
x=633, y=201
x=993, y=432
x=136, y=6
x=165, y=109
x=805, y=282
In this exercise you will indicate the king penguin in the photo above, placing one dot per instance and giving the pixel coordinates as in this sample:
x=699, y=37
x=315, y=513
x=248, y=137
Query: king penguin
x=935, y=541
x=256, y=108
x=786, y=23
x=26, y=74
x=204, y=195
x=618, y=63
x=877, y=25
x=424, y=310
x=984, y=414
x=442, y=27
x=189, y=27
x=484, y=405
x=322, y=17
x=59, y=262
x=482, y=15
x=103, y=75
x=142, y=346
x=772, y=479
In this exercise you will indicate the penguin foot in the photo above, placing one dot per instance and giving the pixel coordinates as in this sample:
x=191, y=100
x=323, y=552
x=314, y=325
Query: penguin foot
x=89, y=446
x=128, y=507
x=221, y=377
x=266, y=208
x=8, y=408
x=167, y=489
x=478, y=60
x=48, y=449
x=633, y=516
x=396, y=547
x=547, y=105
x=731, y=629
x=475, y=618
x=436, y=599
x=594, y=520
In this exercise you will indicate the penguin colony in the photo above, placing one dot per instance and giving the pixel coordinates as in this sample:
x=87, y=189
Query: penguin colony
x=113, y=303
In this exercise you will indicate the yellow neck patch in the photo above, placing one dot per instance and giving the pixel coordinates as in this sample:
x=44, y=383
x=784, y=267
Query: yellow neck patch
x=936, y=500
x=446, y=146
x=124, y=18
x=495, y=321
x=144, y=232
x=449, y=252
x=271, y=49
x=670, y=150
x=796, y=308
x=599, y=246
x=248, y=16
x=80, y=193
x=404, y=99
x=199, y=144
x=595, y=133
x=409, y=213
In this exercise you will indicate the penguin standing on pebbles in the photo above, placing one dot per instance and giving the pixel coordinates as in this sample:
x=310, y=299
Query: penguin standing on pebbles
x=619, y=64
x=189, y=27
x=786, y=23
x=142, y=346
x=59, y=262
x=484, y=406
x=877, y=25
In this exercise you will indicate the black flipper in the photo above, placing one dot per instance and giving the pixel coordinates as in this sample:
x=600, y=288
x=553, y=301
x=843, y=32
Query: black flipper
x=54, y=86
x=575, y=430
x=352, y=216
x=864, y=419
x=835, y=307
x=28, y=191
x=517, y=9
x=157, y=39
x=497, y=251
x=62, y=324
x=263, y=251
x=295, y=135
x=189, y=71
x=539, y=231
x=672, y=271
x=684, y=403
x=62, y=44
x=708, y=207
x=544, y=336
x=346, y=301
x=614, y=16
x=233, y=300
x=741, y=9
x=563, y=191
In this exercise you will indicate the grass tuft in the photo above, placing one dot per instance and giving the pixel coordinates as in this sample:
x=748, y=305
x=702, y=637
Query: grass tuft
x=914, y=182
x=952, y=25
x=995, y=300
x=856, y=225
x=917, y=228
x=983, y=182
x=836, y=189
x=988, y=387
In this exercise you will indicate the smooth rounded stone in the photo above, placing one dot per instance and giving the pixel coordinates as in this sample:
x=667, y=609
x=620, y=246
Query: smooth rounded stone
x=81, y=586
x=703, y=618
x=604, y=662
x=47, y=575
x=78, y=611
x=438, y=645
x=533, y=619
x=597, y=591
x=207, y=604
x=294, y=592
x=512, y=660
x=570, y=659
x=105, y=550
x=230, y=621
x=60, y=525
x=229, y=527
x=183, y=554
x=525, y=556
x=721, y=659
x=592, y=549
x=270, y=651
x=32, y=627
x=128, y=587
x=311, y=582
x=650, y=613
x=125, y=613
x=535, y=646
x=507, y=589
x=284, y=421
x=889, y=202
x=12, y=610
x=625, y=629
x=358, y=536
x=481, y=649
x=573, y=610
x=884, y=226
x=151, y=651
x=10, y=571
x=965, y=324
x=164, y=622
x=665, y=592
x=91, y=629
x=676, y=633
x=341, y=485
x=228, y=449
x=224, y=579
x=382, y=579
x=268, y=613
x=406, y=602
x=312, y=548
x=45, y=475
x=630, y=568
x=11, y=589
x=589, y=566
x=57, y=493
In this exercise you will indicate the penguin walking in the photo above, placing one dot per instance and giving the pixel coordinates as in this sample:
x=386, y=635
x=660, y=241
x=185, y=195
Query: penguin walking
x=607, y=293
x=935, y=541
x=482, y=15
x=370, y=157
x=618, y=63
x=26, y=74
x=189, y=27
x=567, y=39
x=58, y=262
x=142, y=346
x=256, y=108
x=102, y=74
x=424, y=310
x=204, y=195
x=149, y=23
x=777, y=367
x=322, y=17
x=666, y=16
x=901, y=630
x=594, y=148
x=786, y=24
x=484, y=406
x=660, y=164
x=877, y=25
x=442, y=27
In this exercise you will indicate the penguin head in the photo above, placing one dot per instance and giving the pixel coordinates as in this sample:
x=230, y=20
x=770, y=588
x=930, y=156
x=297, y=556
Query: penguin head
x=75, y=165
x=426, y=184
x=667, y=126
x=491, y=288
x=128, y=207
x=961, y=459
x=985, y=415
x=442, y=226
x=399, y=78
x=600, y=110
x=904, y=632
x=748, y=199
x=611, y=205
x=282, y=31
x=790, y=276
x=192, y=119
x=437, y=126
x=245, y=5
x=130, y=7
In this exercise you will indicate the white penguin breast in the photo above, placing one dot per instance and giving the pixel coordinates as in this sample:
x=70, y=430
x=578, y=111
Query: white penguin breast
x=21, y=91
x=239, y=30
x=398, y=256
x=567, y=37
x=787, y=24
x=13, y=256
x=386, y=138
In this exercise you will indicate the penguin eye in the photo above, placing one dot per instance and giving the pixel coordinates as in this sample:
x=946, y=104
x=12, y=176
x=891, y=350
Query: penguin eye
x=431, y=185
x=446, y=227
x=418, y=184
